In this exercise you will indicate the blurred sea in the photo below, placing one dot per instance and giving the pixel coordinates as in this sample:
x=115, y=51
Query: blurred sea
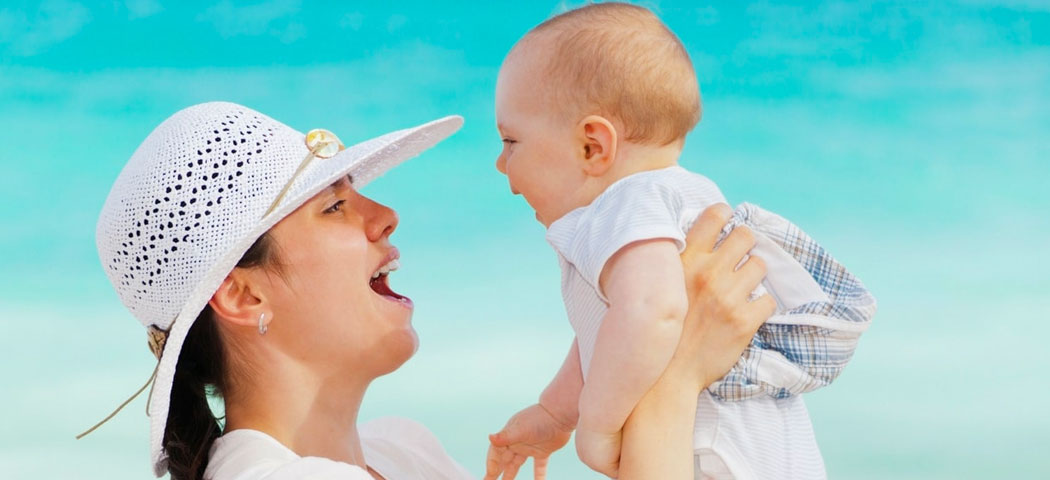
x=911, y=138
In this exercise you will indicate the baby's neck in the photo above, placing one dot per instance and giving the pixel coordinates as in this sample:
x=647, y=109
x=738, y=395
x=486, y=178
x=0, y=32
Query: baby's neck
x=632, y=158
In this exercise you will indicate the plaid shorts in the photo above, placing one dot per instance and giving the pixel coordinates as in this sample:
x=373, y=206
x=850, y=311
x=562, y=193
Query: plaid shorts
x=806, y=347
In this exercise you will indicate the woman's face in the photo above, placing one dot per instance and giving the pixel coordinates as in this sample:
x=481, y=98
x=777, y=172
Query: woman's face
x=332, y=308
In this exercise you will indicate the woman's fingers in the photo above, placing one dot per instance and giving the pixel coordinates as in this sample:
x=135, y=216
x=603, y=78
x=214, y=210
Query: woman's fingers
x=704, y=233
x=749, y=276
x=739, y=241
x=764, y=307
x=757, y=311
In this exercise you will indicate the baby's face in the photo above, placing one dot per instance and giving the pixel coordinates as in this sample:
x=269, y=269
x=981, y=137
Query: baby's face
x=539, y=154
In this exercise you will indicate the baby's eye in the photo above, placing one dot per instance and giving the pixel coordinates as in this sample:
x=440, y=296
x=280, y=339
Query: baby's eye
x=335, y=207
x=508, y=141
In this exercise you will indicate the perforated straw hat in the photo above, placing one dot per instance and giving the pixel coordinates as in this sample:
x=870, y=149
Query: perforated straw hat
x=198, y=192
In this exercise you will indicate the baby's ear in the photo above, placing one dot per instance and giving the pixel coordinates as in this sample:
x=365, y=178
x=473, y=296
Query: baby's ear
x=597, y=141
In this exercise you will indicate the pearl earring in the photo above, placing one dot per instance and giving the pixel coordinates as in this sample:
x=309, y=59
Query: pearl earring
x=262, y=325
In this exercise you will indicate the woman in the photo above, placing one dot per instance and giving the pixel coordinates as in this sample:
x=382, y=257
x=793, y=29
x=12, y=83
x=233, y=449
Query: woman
x=260, y=274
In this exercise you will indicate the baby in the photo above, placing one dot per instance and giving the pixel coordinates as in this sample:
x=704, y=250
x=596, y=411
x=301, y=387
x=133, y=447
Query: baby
x=593, y=107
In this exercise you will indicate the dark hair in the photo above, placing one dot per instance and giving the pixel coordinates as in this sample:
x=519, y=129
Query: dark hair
x=201, y=371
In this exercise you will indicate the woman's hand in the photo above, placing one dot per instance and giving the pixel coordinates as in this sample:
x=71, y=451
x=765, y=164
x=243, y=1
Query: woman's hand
x=721, y=320
x=658, y=436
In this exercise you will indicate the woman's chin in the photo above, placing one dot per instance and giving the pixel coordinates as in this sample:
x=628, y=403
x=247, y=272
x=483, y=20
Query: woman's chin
x=399, y=347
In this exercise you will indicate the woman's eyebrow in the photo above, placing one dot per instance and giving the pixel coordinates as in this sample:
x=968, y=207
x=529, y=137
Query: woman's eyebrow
x=334, y=187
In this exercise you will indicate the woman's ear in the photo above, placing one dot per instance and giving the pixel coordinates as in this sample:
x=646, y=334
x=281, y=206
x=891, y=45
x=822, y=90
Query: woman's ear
x=598, y=141
x=236, y=301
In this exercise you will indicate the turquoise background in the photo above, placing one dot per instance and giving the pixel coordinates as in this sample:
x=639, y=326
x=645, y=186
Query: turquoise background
x=911, y=138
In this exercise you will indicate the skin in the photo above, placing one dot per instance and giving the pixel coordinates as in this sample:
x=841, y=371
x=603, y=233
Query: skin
x=647, y=303
x=534, y=149
x=329, y=333
x=559, y=164
x=720, y=323
x=718, y=326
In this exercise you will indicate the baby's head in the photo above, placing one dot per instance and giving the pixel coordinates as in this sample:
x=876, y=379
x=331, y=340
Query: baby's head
x=590, y=96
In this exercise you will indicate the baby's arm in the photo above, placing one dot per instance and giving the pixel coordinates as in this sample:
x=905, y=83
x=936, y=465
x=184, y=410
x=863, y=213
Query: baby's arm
x=562, y=396
x=645, y=287
x=540, y=429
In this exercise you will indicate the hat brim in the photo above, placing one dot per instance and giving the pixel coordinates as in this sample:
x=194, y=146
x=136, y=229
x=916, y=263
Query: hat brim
x=364, y=162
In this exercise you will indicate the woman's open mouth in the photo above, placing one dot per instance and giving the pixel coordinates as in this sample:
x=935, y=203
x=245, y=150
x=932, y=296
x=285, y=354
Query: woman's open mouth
x=379, y=283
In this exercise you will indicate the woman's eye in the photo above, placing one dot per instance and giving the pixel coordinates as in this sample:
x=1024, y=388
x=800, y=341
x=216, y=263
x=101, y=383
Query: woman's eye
x=335, y=207
x=507, y=141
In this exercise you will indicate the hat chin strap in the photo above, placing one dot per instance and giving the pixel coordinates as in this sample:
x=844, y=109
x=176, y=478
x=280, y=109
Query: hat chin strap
x=149, y=383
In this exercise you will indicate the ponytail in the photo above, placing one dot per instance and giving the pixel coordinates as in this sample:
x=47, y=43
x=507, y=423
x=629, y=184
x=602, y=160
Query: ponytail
x=192, y=427
x=201, y=371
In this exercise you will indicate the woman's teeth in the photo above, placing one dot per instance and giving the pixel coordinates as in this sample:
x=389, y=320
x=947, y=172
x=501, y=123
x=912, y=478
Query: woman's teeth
x=385, y=269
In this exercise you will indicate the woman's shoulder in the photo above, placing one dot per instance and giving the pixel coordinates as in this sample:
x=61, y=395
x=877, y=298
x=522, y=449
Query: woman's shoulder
x=398, y=447
x=254, y=455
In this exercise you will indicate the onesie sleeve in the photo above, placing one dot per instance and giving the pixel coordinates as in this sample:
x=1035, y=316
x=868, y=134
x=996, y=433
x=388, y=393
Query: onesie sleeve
x=633, y=210
x=822, y=311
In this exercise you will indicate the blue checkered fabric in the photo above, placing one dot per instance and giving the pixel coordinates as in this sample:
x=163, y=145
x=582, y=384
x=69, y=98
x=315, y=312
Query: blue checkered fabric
x=805, y=348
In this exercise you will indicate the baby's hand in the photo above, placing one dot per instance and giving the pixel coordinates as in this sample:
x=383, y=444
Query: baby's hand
x=532, y=432
x=600, y=451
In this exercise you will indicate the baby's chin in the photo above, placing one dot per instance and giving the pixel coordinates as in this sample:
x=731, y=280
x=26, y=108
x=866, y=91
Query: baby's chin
x=543, y=221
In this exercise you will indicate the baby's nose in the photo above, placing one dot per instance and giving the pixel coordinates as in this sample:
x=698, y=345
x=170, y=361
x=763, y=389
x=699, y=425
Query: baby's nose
x=501, y=165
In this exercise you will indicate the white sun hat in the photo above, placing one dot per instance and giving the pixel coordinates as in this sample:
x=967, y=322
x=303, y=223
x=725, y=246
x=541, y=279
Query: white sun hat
x=198, y=192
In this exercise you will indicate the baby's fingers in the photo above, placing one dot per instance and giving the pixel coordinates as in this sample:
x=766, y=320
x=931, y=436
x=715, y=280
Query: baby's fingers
x=515, y=464
x=493, y=465
x=539, y=468
x=510, y=434
x=499, y=439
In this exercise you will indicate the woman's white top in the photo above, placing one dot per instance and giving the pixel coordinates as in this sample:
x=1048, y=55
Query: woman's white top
x=396, y=448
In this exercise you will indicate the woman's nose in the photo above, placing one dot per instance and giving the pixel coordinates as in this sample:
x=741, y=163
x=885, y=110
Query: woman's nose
x=381, y=221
